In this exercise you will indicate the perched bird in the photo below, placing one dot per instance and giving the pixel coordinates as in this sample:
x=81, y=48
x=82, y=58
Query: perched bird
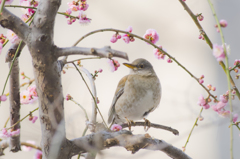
x=137, y=94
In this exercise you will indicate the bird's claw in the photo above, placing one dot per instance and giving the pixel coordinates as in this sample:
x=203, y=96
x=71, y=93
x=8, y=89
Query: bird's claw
x=147, y=124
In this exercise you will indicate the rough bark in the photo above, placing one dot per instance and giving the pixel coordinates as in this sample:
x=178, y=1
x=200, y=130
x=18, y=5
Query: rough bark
x=102, y=140
x=14, y=97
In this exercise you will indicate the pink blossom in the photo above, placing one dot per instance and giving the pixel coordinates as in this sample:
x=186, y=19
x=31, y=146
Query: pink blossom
x=114, y=38
x=223, y=98
x=223, y=23
x=100, y=70
x=235, y=118
x=169, y=60
x=221, y=105
x=83, y=6
x=68, y=12
x=1, y=46
x=236, y=62
x=183, y=0
x=4, y=134
x=200, y=17
x=24, y=17
x=202, y=102
x=213, y=88
x=158, y=53
x=126, y=38
x=151, y=35
x=218, y=52
x=28, y=148
x=116, y=127
x=34, y=119
x=12, y=36
x=7, y=2
x=28, y=11
x=3, y=98
x=114, y=64
x=129, y=29
x=224, y=113
x=73, y=6
x=119, y=36
x=201, y=81
x=83, y=18
x=38, y=155
x=15, y=133
x=25, y=97
x=32, y=90
x=68, y=97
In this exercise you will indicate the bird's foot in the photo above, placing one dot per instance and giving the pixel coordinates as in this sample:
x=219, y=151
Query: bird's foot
x=147, y=124
x=129, y=122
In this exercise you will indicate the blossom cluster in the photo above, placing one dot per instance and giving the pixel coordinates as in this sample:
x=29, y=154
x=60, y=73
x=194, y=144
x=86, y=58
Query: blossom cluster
x=218, y=51
x=74, y=6
x=220, y=105
x=28, y=96
x=4, y=134
x=236, y=67
x=28, y=12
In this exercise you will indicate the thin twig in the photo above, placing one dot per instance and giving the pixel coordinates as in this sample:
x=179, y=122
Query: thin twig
x=5, y=125
x=174, y=131
x=23, y=118
x=84, y=59
x=228, y=78
x=31, y=145
x=91, y=94
x=195, y=124
x=80, y=107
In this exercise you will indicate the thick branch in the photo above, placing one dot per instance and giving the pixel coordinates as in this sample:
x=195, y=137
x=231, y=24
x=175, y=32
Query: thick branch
x=102, y=52
x=133, y=143
x=12, y=50
x=10, y=21
x=174, y=131
x=14, y=105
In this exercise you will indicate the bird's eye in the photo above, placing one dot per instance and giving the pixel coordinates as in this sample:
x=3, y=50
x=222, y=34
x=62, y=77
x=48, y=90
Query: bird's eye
x=141, y=66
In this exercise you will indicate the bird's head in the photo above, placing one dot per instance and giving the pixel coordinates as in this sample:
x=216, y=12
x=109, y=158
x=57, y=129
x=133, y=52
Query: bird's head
x=141, y=67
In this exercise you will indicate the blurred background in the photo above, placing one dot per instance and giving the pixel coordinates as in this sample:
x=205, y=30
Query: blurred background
x=178, y=107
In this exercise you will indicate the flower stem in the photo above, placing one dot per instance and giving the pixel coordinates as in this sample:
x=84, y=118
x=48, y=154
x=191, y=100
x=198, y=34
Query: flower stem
x=228, y=78
x=195, y=124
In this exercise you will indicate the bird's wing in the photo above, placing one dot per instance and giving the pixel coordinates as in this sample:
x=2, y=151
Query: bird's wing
x=118, y=93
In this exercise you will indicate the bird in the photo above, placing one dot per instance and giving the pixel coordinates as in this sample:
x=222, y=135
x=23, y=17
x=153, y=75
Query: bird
x=137, y=94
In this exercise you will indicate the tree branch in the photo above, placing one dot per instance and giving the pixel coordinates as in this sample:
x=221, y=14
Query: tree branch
x=103, y=52
x=174, y=131
x=10, y=21
x=126, y=139
x=12, y=50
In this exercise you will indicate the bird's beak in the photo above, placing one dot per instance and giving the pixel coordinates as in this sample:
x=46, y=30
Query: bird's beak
x=130, y=66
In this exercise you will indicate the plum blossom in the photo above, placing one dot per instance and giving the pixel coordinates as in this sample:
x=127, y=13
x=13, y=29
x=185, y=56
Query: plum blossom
x=68, y=12
x=202, y=102
x=83, y=18
x=235, y=118
x=200, y=17
x=223, y=23
x=4, y=134
x=218, y=52
x=3, y=98
x=151, y=35
x=32, y=90
x=12, y=36
x=28, y=148
x=25, y=97
x=223, y=98
x=126, y=37
x=116, y=127
x=68, y=97
x=224, y=113
x=158, y=53
x=169, y=60
x=27, y=11
x=33, y=118
x=38, y=155
x=100, y=70
x=7, y=2
x=114, y=64
x=73, y=6
x=83, y=6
